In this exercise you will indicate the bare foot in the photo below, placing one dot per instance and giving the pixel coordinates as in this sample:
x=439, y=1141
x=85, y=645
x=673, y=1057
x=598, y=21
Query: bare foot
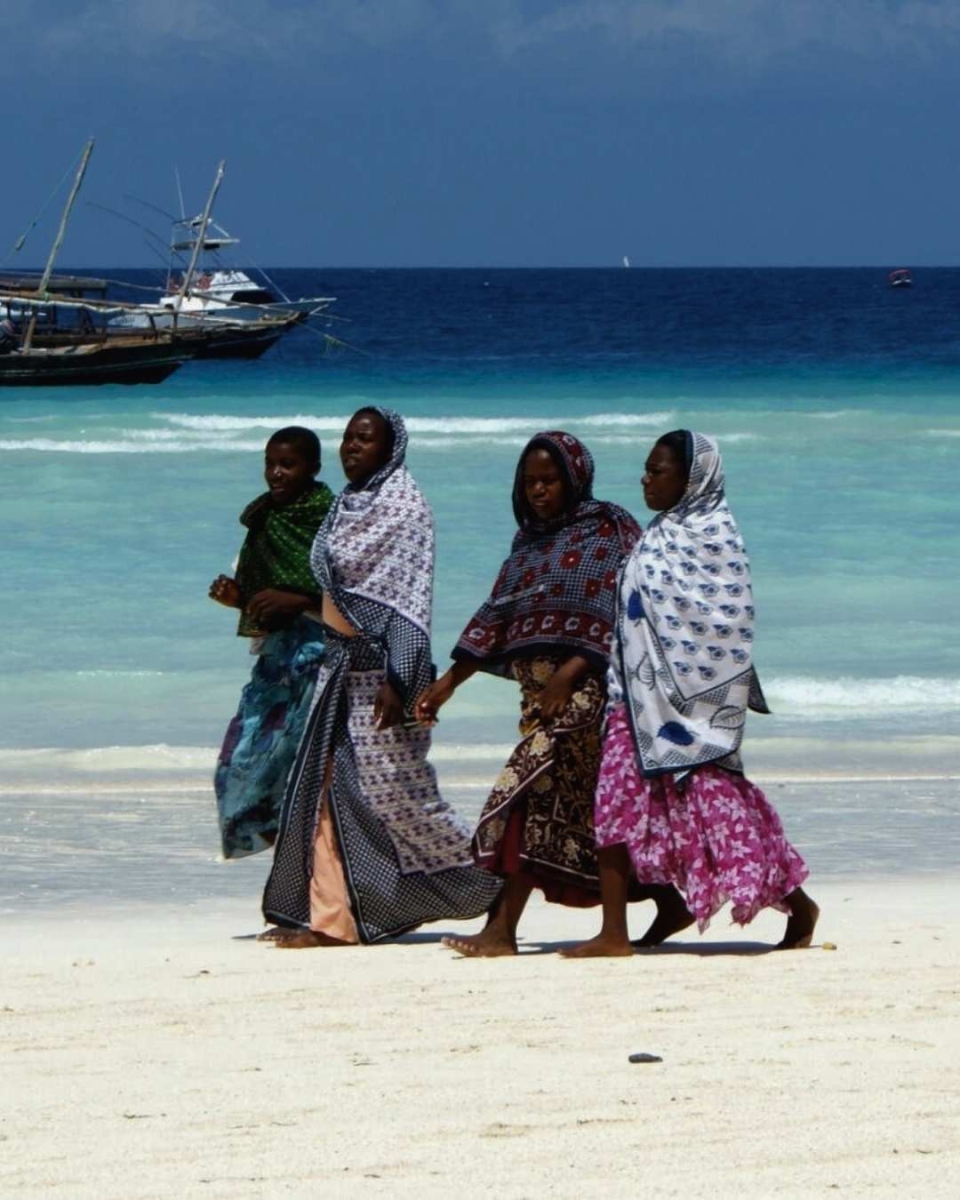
x=274, y=933
x=305, y=939
x=672, y=916
x=802, y=922
x=489, y=943
x=602, y=946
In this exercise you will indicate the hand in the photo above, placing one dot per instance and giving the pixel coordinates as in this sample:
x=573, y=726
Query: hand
x=387, y=707
x=555, y=697
x=433, y=699
x=225, y=591
x=273, y=608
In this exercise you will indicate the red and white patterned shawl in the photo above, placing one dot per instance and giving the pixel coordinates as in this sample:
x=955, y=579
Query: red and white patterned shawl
x=556, y=591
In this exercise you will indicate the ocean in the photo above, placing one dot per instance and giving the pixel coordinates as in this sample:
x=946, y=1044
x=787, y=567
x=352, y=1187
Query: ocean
x=834, y=399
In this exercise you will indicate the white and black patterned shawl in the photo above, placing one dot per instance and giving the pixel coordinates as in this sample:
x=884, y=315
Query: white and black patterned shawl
x=374, y=556
x=683, y=655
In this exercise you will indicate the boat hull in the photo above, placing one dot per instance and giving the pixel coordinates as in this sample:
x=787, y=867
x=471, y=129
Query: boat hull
x=215, y=337
x=85, y=365
x=239, y=341
x=195, y=340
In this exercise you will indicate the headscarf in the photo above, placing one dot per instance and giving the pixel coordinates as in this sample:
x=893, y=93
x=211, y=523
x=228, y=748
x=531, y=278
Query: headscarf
x=683, y=660
x=276, y=550
x=557, y=588
x=374, y=555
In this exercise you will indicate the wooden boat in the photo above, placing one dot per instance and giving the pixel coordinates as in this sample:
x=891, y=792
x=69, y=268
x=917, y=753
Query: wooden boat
x=62, y=329
x=212, y=338
x=134, y=360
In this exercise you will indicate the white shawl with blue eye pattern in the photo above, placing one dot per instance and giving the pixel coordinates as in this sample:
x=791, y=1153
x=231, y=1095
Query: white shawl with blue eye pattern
x=682, y=659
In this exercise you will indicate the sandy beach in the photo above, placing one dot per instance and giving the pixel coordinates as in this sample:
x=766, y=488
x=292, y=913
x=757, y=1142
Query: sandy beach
x=163, y=1052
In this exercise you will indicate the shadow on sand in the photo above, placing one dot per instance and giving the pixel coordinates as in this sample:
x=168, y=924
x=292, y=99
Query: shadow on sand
x=698, y=949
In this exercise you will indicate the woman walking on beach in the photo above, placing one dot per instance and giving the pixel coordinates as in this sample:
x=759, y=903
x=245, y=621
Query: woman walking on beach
x=548, y=624
x=367, y=849
x=672, y=804
x=276, y=593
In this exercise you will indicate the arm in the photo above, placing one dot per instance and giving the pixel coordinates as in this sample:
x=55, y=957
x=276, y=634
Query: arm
x=439, y=692
x=274, y=608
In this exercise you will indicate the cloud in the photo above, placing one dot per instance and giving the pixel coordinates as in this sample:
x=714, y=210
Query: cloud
x=239, y=29
x=735, y=37
x=744, y=32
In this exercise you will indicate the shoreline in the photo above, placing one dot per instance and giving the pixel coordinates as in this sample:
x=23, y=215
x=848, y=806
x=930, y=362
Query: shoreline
x=161, y=767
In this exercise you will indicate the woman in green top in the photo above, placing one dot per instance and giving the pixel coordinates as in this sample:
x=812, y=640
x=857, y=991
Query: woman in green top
x=278, y=596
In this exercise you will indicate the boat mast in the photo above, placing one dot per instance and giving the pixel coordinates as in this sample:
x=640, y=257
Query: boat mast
x=58, y=240
x=199, y=240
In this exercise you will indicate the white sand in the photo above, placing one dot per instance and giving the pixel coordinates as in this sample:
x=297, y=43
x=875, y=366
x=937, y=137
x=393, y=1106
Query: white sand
x=156, y=1054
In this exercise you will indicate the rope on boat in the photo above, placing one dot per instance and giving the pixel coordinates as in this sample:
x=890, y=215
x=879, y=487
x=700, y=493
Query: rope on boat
x=21, y=240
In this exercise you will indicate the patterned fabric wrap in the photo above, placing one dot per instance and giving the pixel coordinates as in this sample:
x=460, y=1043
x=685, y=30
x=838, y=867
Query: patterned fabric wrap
x=682, y=659
x=406, y=853
x=552, y=772
x=374, y=556
x=276, y=550
x=715, y=835
x=558, y=586
x=262, y=739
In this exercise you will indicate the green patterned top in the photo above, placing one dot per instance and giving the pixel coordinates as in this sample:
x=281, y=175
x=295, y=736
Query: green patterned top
x=276, y=550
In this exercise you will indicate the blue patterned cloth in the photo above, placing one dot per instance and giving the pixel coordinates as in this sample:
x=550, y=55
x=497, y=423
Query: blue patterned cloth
x=261, y=740
x=683, y=653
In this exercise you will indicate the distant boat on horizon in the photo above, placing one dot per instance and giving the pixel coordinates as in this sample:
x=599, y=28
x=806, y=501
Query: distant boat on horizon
x=900, y=278
x=626, y=261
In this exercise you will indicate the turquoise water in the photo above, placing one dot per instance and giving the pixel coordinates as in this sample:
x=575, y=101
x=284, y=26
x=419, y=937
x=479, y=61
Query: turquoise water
x=840, y=429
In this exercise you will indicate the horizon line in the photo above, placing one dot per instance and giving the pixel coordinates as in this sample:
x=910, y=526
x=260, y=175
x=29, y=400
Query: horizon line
x=877, y=266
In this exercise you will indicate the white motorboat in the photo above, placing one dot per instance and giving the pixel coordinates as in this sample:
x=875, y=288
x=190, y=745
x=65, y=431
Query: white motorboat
x=209, y=291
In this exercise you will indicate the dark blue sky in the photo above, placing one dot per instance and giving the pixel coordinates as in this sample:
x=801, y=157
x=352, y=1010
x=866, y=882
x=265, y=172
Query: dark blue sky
x=494, y=132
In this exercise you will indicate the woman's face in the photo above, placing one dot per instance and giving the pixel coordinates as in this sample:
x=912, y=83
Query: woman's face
x=365, y=447
x=543, y=485
x=287, y=471
x=664, y=479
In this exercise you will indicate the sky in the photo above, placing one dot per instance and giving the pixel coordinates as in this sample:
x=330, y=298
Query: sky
x=491, y=132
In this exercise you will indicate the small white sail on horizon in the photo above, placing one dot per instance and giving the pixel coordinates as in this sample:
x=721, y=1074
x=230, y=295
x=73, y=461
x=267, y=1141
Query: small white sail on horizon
x=626, y=261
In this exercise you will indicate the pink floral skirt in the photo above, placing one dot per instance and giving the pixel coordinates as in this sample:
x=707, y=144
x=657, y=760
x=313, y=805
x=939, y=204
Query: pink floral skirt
x=715, y=836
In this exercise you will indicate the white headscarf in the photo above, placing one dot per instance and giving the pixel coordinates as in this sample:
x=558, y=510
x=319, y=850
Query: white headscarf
x=683, y=660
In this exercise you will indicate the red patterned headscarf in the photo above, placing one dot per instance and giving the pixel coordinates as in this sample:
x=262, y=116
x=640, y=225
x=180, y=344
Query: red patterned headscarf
x=557, y=590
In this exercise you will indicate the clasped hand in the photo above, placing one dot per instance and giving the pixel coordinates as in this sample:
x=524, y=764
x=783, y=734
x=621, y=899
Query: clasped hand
x=432, y=699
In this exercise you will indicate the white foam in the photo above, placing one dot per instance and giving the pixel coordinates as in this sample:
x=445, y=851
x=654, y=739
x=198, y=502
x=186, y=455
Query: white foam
x=462, y=426
x=68, y=446
x=824, y=699
x=107, y=674
x=107, y=760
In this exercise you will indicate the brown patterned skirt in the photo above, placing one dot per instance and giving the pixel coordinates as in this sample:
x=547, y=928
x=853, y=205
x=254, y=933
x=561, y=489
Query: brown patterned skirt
x=538, y=820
